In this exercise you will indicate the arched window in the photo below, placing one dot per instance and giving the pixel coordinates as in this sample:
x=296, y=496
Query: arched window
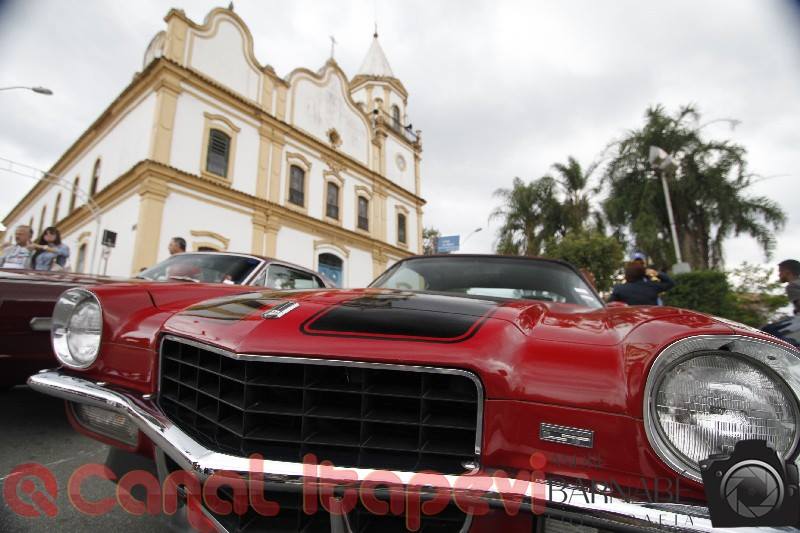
x=56, y=209
x=396, y=117
x=332, y=267
x=74, y=194
x=332, y=200
x=401, y=228
x=218, y=153
x=297, y=185
x=80, y=262
x=363, y=213
x=42, y=219
x=95, y=177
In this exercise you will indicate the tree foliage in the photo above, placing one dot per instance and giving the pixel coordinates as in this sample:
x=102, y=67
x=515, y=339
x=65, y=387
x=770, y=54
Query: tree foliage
x=590, y=250
x=747, y=294
x=708, y=192
x=544, y=210
x=429, y=238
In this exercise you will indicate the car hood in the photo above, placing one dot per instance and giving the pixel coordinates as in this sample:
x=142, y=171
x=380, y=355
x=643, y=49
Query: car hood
x=385, y=314
x=525, y=350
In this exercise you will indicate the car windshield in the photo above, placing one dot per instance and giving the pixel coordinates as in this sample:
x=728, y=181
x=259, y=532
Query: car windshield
x=501, y=277
x=203, y=267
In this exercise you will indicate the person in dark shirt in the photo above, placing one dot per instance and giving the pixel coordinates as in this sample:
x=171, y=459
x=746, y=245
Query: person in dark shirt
x=638, y=289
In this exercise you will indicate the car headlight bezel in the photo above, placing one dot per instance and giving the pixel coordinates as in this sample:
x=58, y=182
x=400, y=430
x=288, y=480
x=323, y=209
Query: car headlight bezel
x=68, y=303
x=777, y=362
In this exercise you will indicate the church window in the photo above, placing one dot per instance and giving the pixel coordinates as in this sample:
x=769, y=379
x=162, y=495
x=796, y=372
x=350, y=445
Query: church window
x=74, y=194
x=401, y=228
x=363, y=213
x=297, y=182
x=56, y=209
x=332, y=201
x=95, y=177
x=396, y=117
x=80, y=263
x=219, y=145
x=42, y=219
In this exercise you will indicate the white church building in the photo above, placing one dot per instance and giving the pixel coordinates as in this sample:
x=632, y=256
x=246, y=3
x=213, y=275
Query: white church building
x=208, y=144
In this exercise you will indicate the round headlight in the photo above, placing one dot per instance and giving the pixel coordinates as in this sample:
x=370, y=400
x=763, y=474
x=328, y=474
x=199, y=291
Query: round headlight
x=704, y=402
x=77, y=328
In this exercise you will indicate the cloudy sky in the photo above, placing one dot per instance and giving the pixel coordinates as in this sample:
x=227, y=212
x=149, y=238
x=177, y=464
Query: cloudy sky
x=499, y=88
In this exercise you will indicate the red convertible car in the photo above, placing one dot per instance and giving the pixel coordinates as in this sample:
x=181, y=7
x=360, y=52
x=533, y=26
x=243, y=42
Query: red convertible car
x=456, y=393
x=27, y=298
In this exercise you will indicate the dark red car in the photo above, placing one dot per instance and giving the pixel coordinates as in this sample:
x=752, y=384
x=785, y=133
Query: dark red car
x=27, y=298
x=457, y=393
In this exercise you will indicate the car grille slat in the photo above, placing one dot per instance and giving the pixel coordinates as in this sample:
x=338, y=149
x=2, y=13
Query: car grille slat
x=352, y=414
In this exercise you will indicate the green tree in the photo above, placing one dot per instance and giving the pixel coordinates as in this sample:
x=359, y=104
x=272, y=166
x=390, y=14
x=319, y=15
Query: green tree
x=756, y=295
x=530, y=216
x=546, y=209
x=708, y=192
x=591, y=250
x=429, y=238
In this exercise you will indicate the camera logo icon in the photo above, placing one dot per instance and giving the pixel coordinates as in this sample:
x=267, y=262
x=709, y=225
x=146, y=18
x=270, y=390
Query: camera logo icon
x=752, y=489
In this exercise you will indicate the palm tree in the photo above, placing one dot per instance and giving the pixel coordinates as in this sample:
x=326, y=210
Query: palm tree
x=547, y=209
x=708, y=192
x=576, y=211
x=529, y=213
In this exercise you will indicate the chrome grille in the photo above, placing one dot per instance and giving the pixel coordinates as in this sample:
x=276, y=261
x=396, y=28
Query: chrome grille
x=352, y=414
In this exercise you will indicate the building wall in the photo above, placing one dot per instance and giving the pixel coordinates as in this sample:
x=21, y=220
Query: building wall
x=186, y=212
x=168, y=125
x=220, y=52
x=125, y=143
x=318, y=106
x=195, y=114
x=119, y=217
x=399, y=171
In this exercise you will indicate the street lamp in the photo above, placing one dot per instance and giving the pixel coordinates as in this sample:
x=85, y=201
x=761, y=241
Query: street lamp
x=662, y=162
x=476, y=230
x=40, y=90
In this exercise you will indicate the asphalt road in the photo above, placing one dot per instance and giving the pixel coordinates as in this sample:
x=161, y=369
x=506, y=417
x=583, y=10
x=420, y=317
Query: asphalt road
x=34, y=429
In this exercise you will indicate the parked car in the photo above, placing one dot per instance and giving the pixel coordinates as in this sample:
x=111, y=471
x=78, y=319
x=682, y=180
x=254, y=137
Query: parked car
x=490, y=371
x=27, y=298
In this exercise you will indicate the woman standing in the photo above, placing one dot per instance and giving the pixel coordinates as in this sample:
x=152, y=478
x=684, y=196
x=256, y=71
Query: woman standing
x=49, y=253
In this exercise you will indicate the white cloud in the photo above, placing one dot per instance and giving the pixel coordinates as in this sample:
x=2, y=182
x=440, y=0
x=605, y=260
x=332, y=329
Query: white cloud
x=500, y=89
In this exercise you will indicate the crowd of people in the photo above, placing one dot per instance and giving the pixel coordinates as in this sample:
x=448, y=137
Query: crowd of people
x=46, y=253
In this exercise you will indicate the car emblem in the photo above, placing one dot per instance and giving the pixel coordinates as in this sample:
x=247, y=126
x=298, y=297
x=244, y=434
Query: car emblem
x=280, y=309
x=583, y=438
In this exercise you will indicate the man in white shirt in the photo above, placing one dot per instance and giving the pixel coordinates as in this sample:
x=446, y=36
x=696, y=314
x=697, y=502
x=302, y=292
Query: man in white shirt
x=18, y=255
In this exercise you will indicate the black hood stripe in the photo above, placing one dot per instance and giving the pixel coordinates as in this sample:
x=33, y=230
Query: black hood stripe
x=402, y=316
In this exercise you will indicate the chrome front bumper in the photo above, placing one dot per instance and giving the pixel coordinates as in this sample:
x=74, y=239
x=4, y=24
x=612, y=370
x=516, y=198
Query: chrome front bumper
x=190, y=455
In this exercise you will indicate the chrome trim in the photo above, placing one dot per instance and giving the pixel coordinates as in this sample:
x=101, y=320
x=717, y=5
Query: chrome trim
x=60, y=322
x=339, y=362
x=41, y=323
x=280, y=310
x=262, y=265
x=193, y=457
x=582, y=438
x=778, y=359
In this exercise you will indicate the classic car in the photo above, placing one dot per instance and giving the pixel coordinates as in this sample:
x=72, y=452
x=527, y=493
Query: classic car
x=456, y=393
x=27, y=298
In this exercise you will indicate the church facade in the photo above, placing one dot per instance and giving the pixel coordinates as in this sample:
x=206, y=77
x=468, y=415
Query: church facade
x=208, y=144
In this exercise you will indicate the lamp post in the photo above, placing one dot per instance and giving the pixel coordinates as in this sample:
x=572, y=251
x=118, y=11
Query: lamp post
x=476, y=230
x=662, y=162
x=39, y=90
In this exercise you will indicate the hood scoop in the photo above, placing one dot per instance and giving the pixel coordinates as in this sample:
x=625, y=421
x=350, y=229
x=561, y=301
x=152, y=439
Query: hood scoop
x=402, y=315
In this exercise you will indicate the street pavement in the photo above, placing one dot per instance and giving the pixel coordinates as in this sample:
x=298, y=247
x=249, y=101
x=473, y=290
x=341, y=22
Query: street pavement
x=34, y=428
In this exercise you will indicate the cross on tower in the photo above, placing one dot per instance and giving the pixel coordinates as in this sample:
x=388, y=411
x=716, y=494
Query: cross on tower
x=333, y=45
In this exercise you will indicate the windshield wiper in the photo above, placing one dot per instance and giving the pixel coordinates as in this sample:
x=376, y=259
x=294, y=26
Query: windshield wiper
x=183, y=278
